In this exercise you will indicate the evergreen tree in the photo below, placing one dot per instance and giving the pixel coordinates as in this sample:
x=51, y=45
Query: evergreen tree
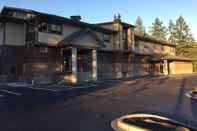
x=183, y=37
x=140, y=29
x=158, y=30
x=171, y=29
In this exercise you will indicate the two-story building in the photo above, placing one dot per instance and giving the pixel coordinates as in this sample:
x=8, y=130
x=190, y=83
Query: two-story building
x=159, y=57
x=45, y=48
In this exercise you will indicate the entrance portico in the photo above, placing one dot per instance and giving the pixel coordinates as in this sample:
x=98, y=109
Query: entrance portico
x=80, y=56
x=80, y=64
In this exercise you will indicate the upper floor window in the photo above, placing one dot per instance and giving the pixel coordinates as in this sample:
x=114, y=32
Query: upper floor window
x=50, y=28
x=17, y=14
x=124, y=34
x=172, y=49
x=106, y=37
x=55, y=28
x=136, y=44
x=20, y=14
x=28, y=15
x=43, y=27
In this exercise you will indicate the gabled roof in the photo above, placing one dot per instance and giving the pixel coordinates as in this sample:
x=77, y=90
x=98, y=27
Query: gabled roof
x=57, y=19
x=74, y=37
x=153, y=40
x=7, y=8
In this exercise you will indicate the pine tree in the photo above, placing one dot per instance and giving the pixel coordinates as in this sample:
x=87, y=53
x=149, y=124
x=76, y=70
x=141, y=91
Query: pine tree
x=158, y=30
x=183, y=37
x=171, y=29
x=140, y=29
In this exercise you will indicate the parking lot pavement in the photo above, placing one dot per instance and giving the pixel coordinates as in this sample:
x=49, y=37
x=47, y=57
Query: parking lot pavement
x=96, y=107
x=26, y=97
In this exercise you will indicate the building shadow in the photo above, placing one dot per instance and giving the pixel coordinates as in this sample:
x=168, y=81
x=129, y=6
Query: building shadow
x=194, y=108
x=150, y=85
x=180, y=98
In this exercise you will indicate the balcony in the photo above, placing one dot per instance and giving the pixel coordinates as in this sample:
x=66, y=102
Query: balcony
x=49, y=38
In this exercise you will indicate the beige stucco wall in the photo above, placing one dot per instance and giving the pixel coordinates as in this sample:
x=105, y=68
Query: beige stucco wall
x=169, y=50
x=53, y=39
x=44, y=72
x=1, y=34
x=50, y=39
x=181, y=67
x=15, y=34
x=148, y=47
x=69, y=29
x=108, y=26
x=117, y=38
x=86, y=41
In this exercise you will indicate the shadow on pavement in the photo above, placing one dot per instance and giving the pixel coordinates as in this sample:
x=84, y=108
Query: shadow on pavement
x=194, y=109
x=149, y=85
x=41, y=99
x=180, y=99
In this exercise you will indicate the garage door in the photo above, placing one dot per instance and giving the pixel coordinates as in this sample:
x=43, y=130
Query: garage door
x=183, y=67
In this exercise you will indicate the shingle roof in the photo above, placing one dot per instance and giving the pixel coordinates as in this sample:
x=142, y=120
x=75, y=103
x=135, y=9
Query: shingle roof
x=153, y=40
x=111, y=22
x=14, y=19
x=58, y=19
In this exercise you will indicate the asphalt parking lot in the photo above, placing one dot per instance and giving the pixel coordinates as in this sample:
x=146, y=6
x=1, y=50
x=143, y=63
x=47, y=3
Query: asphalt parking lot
x=20, y=95
x=92, y=109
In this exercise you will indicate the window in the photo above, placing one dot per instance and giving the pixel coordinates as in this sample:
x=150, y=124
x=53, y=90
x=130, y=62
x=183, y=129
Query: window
x=42, y=27
x=106, y=37
x=124, y=34
x=67, y=60
x=54, y=28
x=17, y=14
x=12, y=13
x=84, y=61
x=43, y=50
x=172, y=49
x=28, y=15
x=13, y=70
x=50, y=28
x=67, y=64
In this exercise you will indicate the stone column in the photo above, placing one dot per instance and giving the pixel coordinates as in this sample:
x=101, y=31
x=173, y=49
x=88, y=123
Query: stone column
x=94, y=65
x=74, y=65
x=165, y=67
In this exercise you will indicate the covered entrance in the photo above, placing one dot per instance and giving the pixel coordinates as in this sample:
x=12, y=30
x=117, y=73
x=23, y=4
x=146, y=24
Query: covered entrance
x=80, y=64
x=79, y=51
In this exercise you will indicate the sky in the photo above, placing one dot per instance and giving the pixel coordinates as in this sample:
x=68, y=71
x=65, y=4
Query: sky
x=95, y=11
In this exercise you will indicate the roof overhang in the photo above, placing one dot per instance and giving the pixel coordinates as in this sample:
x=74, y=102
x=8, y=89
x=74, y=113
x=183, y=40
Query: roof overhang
x=153, y=40
x=11, y=19
x=170, y=58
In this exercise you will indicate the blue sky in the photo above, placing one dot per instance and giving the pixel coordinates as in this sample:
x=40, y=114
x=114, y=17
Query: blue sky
x=104, y=10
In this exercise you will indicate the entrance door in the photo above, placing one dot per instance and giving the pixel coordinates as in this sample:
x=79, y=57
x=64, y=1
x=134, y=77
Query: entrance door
x=67, y=61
